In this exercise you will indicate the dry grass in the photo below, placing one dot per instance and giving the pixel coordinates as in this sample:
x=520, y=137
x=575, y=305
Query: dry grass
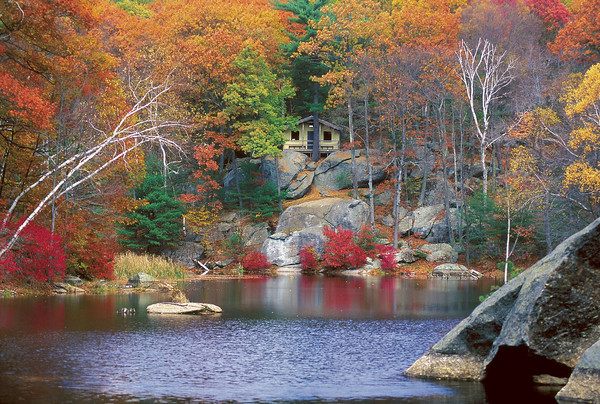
x=129, y=264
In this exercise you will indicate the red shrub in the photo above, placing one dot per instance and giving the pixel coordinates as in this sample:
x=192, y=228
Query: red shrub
x=39, y=255
x=387, y=256
x=367, y=240
x=90, y=255
x=340, y=249
x=308, y=258
x=255, y=260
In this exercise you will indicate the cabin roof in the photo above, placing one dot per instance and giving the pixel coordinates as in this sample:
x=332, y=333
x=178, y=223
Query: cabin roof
x=322, y=122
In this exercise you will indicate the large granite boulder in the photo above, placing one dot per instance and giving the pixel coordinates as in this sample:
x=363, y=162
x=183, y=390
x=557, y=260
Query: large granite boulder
x=185, y=253
x=541, y=322
x=255, y=234
x=335, y=172
x=430, y=223
x=283, y=249
x=141, y=280
x=453, y=271
x=461, y=353
x=584, y=383
x=302, y=225
x=290, y=165
x=300, y=185
x=437, y=188
x=440, y=252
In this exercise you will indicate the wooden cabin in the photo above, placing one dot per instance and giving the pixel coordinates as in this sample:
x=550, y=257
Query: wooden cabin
x=301, y=137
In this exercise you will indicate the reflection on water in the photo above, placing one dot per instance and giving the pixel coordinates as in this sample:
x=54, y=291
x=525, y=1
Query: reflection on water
x=279, y=339
x=344, y=297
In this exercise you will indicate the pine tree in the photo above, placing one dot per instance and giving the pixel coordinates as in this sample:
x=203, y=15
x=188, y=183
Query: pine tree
x=156, y=224
x=303, y=68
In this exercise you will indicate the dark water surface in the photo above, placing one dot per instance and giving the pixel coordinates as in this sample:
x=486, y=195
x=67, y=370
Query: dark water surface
x=279, y=339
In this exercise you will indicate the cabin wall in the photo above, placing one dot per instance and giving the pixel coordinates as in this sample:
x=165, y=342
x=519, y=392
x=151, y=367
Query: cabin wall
x=300, y=141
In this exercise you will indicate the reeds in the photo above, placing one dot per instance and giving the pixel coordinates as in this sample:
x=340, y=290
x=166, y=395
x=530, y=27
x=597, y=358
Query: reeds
x=129, y=264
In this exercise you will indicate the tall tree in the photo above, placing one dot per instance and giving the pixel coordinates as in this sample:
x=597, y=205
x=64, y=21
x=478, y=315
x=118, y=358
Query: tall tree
x=346, y=29
x=583, y=106
x=303, y=67
x=256, y=107
x=156, y=223
x=485, y=73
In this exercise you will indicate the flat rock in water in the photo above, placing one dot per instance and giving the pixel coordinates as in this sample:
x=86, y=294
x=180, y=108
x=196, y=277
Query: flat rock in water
x=183, y=308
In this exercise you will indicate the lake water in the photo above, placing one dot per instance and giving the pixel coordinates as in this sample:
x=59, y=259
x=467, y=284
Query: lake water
x=280, y=339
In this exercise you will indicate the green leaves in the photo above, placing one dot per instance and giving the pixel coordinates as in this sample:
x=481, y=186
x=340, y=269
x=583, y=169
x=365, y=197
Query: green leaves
x=256, y=105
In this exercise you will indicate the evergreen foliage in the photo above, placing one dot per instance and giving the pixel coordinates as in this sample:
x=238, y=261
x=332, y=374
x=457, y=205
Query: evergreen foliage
x=156, y=224
x=302, y=67
x=487, y=228
x=260, y=197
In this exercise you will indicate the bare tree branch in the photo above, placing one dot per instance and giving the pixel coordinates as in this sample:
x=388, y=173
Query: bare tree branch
x=140, y=125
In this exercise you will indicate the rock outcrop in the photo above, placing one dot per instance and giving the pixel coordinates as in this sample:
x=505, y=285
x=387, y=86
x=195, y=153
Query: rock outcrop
x=291, y=164
x=454, y=271
x=584, y=383
x=141, y=280
x=302, y=225
x=441, y=252
x=541, y=322
x=335, y=172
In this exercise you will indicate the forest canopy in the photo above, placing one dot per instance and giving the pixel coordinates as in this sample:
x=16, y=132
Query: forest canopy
x=92, y=90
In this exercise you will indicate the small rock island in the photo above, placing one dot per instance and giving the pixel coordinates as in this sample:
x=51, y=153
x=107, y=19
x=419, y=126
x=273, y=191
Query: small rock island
x=183, y=308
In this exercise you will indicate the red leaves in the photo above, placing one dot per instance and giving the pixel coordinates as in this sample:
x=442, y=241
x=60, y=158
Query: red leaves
x=89, y=254
x=308, y=259
x=387, y=256
x=340, y=249
x=40, y=255
x=254, y=261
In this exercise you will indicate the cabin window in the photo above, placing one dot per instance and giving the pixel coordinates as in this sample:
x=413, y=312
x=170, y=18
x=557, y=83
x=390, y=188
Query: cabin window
x=295, y=135
x=327, y=135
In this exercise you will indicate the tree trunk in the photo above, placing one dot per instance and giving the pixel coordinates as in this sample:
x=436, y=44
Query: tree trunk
x=445, y=173
x=507, y=251
x=425, y=161
x=278, y=178
x=463, y=199
x=371, y=201
x=236, y=178
x=351, y=134
x=484, y=170
x=316, y=150
x=547, y=224
x=399, y=183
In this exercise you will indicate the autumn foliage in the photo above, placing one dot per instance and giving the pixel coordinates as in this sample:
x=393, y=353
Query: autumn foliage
x=206, y=83
x=309, y=259
x=255, y=260
x=40, y=256
x=341, y=250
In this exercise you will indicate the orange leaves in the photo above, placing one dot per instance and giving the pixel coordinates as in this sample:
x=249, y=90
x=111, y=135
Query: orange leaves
x=25, y=103
x=425, y=23
x=580, y=37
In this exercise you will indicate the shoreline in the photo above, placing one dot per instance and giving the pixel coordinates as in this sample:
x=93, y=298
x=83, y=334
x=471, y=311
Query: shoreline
x=20, y=288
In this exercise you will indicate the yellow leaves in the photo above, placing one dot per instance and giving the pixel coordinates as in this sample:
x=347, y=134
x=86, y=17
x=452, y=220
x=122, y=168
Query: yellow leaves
x=583, y=95
x=522, y=159
x=200, y=217
x=585, y=140
x=585, y=178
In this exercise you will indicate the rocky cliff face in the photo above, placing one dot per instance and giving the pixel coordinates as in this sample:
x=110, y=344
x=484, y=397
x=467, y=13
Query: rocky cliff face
x=542, y=322
x=302, y=225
